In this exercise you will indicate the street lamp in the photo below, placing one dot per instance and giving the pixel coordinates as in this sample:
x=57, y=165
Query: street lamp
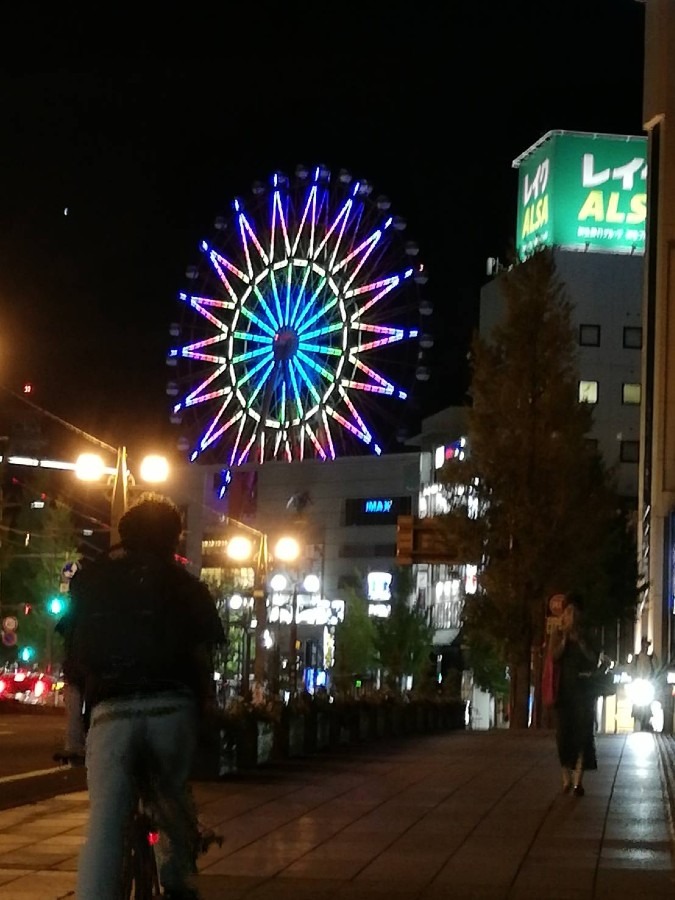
x=311, y=584
x=242, y=548
x=90, y=467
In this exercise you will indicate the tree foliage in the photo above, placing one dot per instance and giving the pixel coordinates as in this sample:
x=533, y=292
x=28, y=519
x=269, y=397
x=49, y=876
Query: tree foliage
x=545, y=503
x=402, y=640
x=36, y=547
x=354, y=643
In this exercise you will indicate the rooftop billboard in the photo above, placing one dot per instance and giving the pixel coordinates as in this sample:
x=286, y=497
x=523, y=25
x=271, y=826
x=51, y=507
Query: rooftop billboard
x=583, y=192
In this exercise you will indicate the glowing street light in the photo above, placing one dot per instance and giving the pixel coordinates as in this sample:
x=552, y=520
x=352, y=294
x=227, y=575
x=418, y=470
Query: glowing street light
x=90, y=467
x=241, y=548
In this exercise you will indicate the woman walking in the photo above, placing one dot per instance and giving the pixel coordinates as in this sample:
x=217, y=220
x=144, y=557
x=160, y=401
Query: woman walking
x=573, y=652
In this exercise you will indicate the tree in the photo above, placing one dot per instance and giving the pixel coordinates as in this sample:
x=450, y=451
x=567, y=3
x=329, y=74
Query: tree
x=41, y=539
x=544, y=502
x=354, y=643
x=402, y=640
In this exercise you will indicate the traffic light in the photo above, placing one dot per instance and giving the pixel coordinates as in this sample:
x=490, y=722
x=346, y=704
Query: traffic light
x=56, y=606
x=26, y=654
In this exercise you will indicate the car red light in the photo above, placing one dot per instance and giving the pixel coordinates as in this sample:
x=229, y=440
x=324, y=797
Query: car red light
x=153, y=838
x=39, y=688
x=3, y=686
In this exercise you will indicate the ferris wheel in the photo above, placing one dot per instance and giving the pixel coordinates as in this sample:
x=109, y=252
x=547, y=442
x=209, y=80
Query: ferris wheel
x=300, y=332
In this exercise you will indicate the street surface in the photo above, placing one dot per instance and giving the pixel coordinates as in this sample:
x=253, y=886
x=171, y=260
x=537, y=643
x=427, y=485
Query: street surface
x=27, y=770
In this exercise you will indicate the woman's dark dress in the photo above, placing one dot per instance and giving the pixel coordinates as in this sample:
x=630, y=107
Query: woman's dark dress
x=575, y=709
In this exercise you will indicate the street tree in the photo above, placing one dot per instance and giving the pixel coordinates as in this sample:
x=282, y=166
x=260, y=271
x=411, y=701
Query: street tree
x=35, y=548
x=354, y=643
x=534, y=506
x=403, y=640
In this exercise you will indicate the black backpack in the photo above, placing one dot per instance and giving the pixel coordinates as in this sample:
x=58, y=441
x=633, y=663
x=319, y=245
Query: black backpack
x=126, y=623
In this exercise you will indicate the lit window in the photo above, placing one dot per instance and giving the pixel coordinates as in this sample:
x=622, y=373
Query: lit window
x=632, y=393
x=589, y=335
x=632, y=338
x=630, y=451
x=588, y=392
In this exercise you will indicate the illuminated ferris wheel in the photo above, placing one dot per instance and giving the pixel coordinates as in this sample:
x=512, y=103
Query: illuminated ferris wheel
x=300, y=335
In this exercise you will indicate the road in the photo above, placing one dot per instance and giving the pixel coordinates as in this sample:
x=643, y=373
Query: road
x=27, y=771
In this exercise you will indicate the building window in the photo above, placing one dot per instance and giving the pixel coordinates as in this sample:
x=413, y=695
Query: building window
x=631, y=393
x=588, y=392
x=630, y=451
x=589, y=335
x=632, y=338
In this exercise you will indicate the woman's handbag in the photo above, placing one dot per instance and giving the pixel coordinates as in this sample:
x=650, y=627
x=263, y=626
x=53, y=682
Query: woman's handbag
x=550, y=678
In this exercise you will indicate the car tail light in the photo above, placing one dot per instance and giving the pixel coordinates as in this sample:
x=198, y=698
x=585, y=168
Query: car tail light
x=153, y=838
x=3, y=686
x=39, y=688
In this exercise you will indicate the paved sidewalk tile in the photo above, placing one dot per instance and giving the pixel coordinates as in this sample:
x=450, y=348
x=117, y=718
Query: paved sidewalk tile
x=463, y=816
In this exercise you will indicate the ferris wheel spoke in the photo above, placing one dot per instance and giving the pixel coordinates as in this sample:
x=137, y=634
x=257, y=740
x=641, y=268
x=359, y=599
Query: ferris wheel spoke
x=319, y=332
x=279, y=217
x=315, y=366
x=329, y=436
x=246, y=232
x=243, y=456
x=315, y=441
x=306, y=379
x=219, y=262
x=311, y=304
x=212, y=433
x=302, y=287
x=361, y=434
x=360, y=253
x=308, y=215
x=252, y=317
x=237, y=439
x=340, y=220
x=392, y=336
x=252, y=337
x=198, y=396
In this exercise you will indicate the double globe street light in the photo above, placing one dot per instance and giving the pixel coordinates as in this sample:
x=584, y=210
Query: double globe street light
x=252, y=546
x=154, y=469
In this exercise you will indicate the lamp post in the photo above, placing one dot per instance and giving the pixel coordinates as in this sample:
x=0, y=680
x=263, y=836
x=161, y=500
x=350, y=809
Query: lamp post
x=242, y=549
x=311, y=585
x=90, y=467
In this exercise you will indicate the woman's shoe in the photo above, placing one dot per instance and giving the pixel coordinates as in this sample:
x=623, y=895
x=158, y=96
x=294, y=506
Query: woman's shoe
x=579, y=790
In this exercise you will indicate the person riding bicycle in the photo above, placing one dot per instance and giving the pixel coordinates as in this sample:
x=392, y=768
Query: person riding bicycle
x=139, y=642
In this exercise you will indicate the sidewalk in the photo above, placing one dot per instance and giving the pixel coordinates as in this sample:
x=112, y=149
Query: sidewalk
x=462, y=815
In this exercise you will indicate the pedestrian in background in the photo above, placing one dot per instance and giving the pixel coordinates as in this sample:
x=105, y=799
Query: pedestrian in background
x=573, y=651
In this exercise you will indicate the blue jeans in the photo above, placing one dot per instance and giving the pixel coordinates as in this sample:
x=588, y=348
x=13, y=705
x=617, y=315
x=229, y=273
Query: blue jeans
x=121, y=731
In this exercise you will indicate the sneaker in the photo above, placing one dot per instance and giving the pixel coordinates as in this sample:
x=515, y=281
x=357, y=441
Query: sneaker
x=579, y=790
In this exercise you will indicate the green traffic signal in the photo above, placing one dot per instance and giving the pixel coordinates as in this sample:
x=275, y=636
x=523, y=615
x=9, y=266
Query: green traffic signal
x=55, y=606
x=26, y=654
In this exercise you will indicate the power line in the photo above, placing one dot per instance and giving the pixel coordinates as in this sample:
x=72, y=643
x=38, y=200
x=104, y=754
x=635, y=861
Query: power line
x=85, y=434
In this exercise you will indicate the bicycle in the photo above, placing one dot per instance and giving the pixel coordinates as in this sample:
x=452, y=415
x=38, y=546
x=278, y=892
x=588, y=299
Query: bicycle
x=140, y=874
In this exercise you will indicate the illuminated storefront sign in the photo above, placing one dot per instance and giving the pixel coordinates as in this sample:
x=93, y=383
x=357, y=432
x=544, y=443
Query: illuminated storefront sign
x=583, y=191
x=375, y=510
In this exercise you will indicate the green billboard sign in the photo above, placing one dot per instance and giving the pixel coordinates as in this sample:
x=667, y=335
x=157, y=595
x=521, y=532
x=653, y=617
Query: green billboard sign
x=583, y=192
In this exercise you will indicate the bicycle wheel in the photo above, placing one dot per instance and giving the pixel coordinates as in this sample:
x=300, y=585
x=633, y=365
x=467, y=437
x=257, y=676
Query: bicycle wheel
x=140, y=878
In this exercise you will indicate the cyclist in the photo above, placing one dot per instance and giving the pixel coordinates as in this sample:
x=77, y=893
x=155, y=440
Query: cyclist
x=139, y=640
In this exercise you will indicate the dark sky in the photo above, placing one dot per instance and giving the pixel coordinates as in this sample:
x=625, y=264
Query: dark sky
x=144, y=148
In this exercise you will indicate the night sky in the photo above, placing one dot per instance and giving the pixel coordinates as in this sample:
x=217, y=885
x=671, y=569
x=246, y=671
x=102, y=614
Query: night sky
x=431, y=107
